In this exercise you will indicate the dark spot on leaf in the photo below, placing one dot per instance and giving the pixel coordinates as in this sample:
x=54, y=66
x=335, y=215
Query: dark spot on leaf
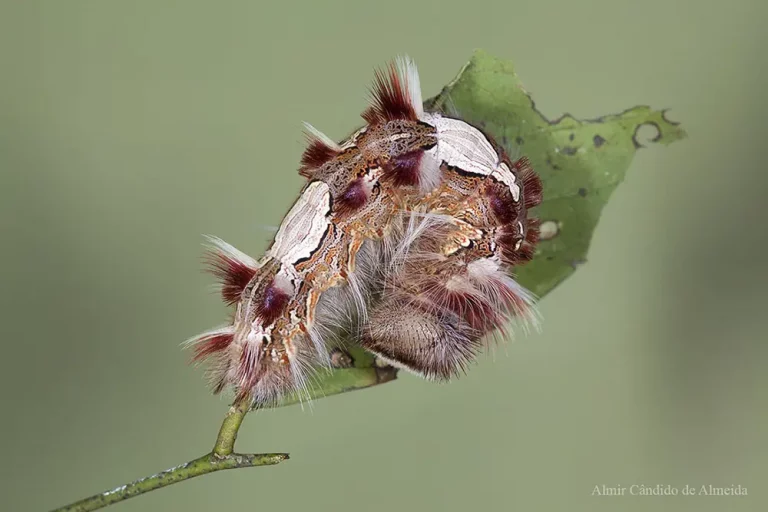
x=519, y=140
x=571, y=136
x=569, y=150
x=583, y=192
x=598, y=141
x=552, y=164
x=550, y=257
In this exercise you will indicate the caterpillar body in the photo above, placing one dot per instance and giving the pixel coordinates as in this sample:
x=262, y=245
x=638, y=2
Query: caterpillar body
x=452, y=286
x=403, y=236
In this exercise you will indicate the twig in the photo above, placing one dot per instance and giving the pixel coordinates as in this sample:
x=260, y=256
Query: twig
x=222, y=457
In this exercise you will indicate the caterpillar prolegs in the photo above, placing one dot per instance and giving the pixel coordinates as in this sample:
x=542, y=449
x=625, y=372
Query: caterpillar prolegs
x=402, y=239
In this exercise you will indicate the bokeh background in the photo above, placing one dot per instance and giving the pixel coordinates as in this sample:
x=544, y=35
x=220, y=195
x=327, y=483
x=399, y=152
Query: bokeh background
x=128, y=129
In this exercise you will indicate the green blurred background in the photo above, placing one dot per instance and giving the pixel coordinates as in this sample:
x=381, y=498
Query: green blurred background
x=128, y=129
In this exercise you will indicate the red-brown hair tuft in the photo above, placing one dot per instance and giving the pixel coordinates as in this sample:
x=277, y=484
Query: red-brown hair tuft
x=532, y=233
x=532, y=186
x=216, y=342
x=315, y=155
x=233, y=274
x=390, y=98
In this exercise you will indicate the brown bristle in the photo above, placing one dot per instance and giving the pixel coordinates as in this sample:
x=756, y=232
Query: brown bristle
x=472, y=308
x=403, y=170
x=532, y=235
x=502, y=203
x=522, y=164
x=532, y=187
x=533, y=193
x=211, y=345
x=234, y=275
x=272, y=304
x=390, y=98
x=507, y=238
x=478, y=314
x=525, y=253
x=508, y=235
x=315, y=155
x=509, y=256
x=352, y=199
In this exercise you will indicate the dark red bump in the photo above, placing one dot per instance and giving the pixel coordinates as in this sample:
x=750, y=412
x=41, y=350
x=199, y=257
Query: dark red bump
x=352, y=199
x=502, y=203
x=403, y=170
x=272, y=304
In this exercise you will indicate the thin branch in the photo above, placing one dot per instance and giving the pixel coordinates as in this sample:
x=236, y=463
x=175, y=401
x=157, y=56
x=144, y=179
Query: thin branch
x=222, y=457
x=206, y=464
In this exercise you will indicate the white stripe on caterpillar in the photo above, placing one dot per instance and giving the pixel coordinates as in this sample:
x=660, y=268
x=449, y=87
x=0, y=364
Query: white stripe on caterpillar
x=304, y=226
x=461, y=145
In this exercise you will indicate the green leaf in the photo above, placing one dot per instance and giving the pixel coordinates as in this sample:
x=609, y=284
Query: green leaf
x=358, y=370
x=581, y=162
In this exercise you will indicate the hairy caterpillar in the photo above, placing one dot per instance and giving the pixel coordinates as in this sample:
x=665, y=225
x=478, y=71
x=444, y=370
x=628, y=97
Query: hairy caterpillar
x=406, y=197
x=450, y=286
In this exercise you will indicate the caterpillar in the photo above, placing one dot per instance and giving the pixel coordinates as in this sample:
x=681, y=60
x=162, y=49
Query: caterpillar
x=451, y=287
x=384, y=217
